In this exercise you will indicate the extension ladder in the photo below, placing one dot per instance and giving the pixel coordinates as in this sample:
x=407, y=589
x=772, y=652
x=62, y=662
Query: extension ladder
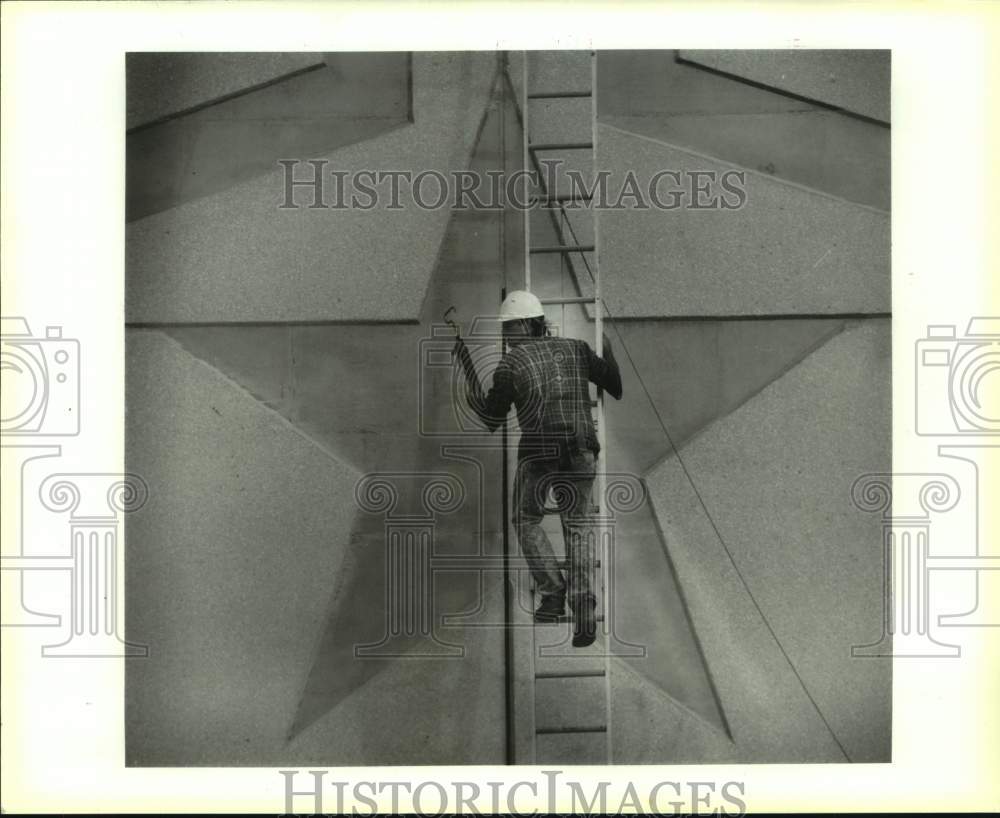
x=562, y=681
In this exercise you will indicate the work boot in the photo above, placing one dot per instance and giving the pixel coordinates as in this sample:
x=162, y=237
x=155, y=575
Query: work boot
x=584, y=621
x=553, y=606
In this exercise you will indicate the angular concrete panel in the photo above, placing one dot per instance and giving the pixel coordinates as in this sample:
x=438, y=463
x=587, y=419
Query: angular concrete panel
x=415, y=711
x=645, y=83
x=356, y=390
x=696, y=372
x=236, y=256
x=786, y=251
x=854, y=79
x=775, y=477
x=557, y=70
x=249, y=543
x=652, y=94
x=651, y=727
x=350, y=388
x=821, y=150
x=228, y=566
x=165, y=84
x=350, y=98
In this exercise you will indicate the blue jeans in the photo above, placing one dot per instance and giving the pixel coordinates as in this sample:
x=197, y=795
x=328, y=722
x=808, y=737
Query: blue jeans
x=571, y=481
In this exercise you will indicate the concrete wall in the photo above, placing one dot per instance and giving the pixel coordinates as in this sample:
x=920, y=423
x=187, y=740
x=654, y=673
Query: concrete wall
x=196, y=263
x=856, y=80
x=755, y=344
x=813, y=234
x=336, y=100
x=162, y=85
x=275, y=356
x=654, y=94
x=255, y=575
x=774, y=478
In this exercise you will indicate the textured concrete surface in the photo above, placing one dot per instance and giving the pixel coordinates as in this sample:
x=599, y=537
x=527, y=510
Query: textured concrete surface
x=350, y=394
x=232, y=569
x=694, y=372
x=196, y=262
x=855, y=79
x=775, y=476
x=697, y=371
x=351, y=388
x=226, y=579
x=650, y=725
x=650, y=93
x=558, y=70
x=749, y=401
x=348, y=99
x=787, y=251
x=161, y=84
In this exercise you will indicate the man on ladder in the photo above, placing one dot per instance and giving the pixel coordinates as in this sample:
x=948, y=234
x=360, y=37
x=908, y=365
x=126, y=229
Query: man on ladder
x=546, y=379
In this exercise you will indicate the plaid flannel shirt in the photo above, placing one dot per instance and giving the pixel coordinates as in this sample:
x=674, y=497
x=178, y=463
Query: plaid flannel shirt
x=547, y=381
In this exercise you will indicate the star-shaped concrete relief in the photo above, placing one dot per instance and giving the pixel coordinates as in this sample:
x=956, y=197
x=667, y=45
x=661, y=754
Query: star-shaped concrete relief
x=364, y=392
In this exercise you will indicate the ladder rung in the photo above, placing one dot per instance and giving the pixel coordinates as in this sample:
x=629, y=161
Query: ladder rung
x=564, y=197
x=558, y=94
x=576, y=299
x=564, y=248
x=564, y=618
x=569, y=674
x=561, y=146
x=597, y=728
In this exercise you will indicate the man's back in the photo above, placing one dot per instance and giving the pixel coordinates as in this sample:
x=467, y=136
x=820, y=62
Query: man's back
x=551, y=392
x=547, y=380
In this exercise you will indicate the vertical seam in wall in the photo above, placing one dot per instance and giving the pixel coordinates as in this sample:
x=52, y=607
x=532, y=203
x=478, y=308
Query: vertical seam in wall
x=409, y=87
x=509, y=749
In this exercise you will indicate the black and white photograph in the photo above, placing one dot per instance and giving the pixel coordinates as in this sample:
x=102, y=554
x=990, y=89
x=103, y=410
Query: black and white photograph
x=505, y=407
x=477, y=408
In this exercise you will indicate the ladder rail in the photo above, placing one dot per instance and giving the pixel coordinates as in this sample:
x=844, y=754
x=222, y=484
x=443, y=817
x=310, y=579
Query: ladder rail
x=525, y=114
x=526, y=157
x=603, y=540
x=600, y=532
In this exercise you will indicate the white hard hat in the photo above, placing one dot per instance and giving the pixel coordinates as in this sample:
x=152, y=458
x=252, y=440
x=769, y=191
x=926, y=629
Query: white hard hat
x=520, y=304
